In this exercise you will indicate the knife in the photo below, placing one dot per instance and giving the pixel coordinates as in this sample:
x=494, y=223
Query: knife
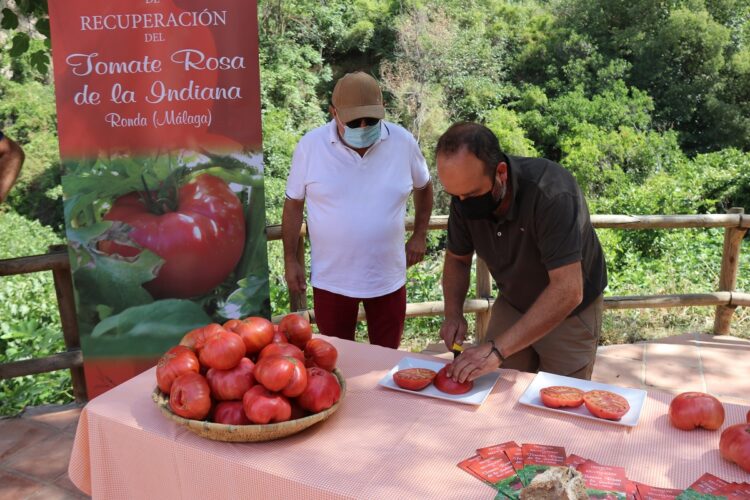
x=456, y=349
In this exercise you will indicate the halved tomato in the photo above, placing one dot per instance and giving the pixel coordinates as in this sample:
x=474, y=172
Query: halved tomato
x=605, y=404
x=449, y=386
x=561, y=396
x=414, y=379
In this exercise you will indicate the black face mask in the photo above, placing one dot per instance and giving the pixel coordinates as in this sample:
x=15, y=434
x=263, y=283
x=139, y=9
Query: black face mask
x=479, y=207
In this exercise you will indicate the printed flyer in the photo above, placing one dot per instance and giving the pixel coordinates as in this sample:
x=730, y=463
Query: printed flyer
x=158, y=105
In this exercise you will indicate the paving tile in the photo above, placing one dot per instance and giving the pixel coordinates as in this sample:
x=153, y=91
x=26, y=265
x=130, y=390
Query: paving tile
x=684, y=354
x=674, y=367
x=724, y=342
x=729, y=338
x=726, y=372
x=47, y=492
x=56, y=452
x=66, y=484
x=622, y=372
x=17, y=434
x=13, y=487
x=72, y=427
x=56, y=416
x=627, y=351
x=685, y=339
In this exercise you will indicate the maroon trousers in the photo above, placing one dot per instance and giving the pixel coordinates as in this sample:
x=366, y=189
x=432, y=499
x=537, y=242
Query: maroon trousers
x=336, y=316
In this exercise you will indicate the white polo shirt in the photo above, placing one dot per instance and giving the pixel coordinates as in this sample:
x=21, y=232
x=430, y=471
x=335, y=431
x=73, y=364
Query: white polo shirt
x=356, y=207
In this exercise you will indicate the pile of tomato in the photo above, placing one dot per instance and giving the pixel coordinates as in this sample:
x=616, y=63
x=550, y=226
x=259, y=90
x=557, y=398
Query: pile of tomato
x=250, y=371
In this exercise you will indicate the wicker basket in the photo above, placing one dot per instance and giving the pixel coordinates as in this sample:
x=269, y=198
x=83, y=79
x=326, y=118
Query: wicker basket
x=248, y=433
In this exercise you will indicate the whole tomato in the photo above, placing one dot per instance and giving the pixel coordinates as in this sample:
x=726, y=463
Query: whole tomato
x=296, y=328
x=223, y=350
x=322, y=392
x=297, y=410
x=233, y=383
x=196, y=339
x=282, y=373
x=176, y=361
x=263, y=406
x=691, y=410
x=200, y=235
x=281, y=349
x=190, y=396
x=278, y=337
x=449, y=386
x=734, y=445
x=255, y=332
x=230, y=412
x=320, y=353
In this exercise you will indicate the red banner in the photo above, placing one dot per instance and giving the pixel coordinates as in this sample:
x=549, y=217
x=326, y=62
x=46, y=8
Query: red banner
x=155, y=75
x=159, y=124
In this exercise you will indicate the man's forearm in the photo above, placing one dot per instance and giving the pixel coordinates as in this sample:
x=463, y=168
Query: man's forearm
x=456, y=274
x=11, y=160
x=550, y=309
x=291, y=224
x=422, y=209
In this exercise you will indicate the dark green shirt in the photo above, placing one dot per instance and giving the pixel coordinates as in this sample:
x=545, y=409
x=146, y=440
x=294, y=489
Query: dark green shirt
x=547, y=226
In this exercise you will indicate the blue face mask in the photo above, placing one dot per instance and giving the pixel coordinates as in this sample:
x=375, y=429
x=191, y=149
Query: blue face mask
x=362, y=137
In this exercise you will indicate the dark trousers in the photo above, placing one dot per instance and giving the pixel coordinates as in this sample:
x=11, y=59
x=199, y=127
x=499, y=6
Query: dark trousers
x=336, y=316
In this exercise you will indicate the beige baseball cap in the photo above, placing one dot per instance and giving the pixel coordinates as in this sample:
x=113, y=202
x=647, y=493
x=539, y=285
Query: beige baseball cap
x=358, y=95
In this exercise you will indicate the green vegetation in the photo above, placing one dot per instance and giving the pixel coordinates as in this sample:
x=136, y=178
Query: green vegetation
x=647, y=103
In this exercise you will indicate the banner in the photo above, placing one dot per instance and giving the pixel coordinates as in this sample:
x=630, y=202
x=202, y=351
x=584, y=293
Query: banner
x=158, y=106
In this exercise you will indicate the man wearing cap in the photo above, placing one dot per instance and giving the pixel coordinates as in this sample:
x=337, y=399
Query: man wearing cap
x=528, y=220
x=356, y=173
x=11, y=160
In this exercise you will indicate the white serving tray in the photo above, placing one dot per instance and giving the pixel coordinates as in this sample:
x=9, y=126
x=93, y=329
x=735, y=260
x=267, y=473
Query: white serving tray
x=635, y=397
x=476, y=396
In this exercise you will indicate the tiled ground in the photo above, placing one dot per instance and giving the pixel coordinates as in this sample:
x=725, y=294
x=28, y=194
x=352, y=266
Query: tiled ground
x=35, y=446
x=34, y=453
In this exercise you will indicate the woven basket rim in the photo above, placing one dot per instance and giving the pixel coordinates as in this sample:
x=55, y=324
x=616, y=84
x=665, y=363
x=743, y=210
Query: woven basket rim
x=251, y=432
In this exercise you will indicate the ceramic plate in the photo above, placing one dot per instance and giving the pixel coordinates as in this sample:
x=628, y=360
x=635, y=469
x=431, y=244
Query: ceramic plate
x=482, y=386
x=635, y=397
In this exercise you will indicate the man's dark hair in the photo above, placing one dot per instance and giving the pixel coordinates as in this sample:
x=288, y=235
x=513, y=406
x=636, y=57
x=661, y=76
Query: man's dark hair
x=477, y=139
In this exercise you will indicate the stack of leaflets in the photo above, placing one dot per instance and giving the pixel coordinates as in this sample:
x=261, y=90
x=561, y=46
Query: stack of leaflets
x=508, y=467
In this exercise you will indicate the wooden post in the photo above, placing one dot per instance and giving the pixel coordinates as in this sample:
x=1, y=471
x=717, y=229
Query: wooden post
x=730, y=261
x=484, y=291
x=67, y=306
x=298, y=301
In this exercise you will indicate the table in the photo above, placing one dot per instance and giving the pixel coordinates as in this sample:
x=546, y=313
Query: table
x=379, y=444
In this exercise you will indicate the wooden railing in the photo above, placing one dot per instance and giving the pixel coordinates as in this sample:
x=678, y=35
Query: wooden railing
x=726, y=298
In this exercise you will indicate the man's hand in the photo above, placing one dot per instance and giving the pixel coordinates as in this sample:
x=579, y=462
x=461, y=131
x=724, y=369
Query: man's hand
x=453, y=330
x=416, y=246
x=473, y=363
x=294, y=274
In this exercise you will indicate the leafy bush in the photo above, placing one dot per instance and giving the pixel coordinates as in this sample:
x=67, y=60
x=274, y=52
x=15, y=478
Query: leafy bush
x=30, y=326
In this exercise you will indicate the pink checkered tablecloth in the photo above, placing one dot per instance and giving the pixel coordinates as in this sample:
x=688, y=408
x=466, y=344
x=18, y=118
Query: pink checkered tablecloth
x=380, y=444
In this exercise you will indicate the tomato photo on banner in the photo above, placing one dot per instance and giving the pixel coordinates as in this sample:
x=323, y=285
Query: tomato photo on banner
x=159, y=124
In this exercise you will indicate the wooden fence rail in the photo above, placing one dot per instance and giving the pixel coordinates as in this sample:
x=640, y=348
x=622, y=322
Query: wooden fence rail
x=726, y=299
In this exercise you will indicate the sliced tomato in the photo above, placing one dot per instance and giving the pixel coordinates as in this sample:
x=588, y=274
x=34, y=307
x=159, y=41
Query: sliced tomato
x=605, y=404
x=414, y=379
x=561, y=396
